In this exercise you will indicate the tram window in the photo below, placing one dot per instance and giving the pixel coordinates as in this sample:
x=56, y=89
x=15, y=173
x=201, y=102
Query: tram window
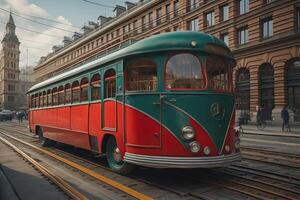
x=40, y=100
x=54, y=97
x=44, y=99
x=49, y=98
x=75, y=92
x=184, y=71
x=219, y=73
x=141, y=75
x=110, y=84
x=84, y=90
x=31, y=101
x=36, y=98
x=95, y=87
x=61, y=94
x=68, y=93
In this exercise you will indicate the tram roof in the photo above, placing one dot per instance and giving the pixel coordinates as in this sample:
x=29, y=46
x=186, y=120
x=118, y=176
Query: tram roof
x=180, y=40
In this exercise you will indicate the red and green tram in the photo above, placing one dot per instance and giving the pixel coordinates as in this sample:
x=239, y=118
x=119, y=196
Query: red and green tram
x=165, y=102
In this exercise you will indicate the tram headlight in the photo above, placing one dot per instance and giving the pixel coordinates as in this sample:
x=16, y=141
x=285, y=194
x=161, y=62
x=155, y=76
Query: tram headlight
x=206, y=150
x=188, y=132
x=194, y=147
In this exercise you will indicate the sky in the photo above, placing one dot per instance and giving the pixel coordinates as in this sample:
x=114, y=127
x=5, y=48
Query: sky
x=68, y=15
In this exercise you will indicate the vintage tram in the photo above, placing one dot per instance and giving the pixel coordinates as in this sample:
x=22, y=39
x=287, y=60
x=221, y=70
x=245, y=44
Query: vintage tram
x=166, y=102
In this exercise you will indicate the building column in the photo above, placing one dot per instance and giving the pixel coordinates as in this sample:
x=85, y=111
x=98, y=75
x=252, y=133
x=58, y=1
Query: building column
x=254, y=88
x=279, y=92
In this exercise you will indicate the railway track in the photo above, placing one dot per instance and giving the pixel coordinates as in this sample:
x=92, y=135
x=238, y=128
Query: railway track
x=57, y=180
x=87, y=171
x=242, y=181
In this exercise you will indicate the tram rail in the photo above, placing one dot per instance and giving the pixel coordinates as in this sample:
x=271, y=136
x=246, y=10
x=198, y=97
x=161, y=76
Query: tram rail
x=239, y=184
x=85, y=170
x=61, y=183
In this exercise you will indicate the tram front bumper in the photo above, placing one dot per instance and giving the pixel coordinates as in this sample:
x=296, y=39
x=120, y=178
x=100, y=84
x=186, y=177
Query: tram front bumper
x=182, y=162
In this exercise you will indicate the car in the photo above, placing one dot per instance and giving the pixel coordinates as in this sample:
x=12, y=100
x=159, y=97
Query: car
x=6, y=115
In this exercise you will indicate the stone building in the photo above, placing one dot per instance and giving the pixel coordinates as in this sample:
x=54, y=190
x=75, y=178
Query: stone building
x=264, y=36
x=9, y=68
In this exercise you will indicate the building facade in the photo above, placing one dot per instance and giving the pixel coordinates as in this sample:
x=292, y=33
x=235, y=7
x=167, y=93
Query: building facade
x=264, y=36
x=9, y=69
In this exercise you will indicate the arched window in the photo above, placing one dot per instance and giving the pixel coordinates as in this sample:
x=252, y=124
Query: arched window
x=68, y=93
x=75, y=92
x=36, y=100
x=110, y=83
x=40, y=100
x=54, y=96
x=293, y=86
x=31, y=101
x=141, y=75
x=184, y=71
x=84, y=85
x=44, y=99
x=61, y=95
x=95, y=87
x=242, y=89
x=49, y=98
x=266, y=80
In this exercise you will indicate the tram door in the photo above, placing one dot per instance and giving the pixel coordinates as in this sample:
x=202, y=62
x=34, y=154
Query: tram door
x=109, y=104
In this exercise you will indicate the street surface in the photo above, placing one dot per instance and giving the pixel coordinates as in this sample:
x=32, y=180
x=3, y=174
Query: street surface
x=269, y=170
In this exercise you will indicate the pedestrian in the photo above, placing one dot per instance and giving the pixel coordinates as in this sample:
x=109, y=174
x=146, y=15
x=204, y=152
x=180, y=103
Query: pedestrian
x=258, y=114
x=18, y=116
x=285, y=118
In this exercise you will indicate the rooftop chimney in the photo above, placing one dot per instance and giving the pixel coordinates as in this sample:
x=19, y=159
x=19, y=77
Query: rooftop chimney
x=102, y=20
x=129, y=5
x=119, y=10
x=56, y=47
x=76, y=35
x=86, y=29
x=93, y=25
x=67, y=40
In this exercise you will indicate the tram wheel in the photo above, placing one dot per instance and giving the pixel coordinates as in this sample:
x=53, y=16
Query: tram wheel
x=42, y=140
x=114, y=159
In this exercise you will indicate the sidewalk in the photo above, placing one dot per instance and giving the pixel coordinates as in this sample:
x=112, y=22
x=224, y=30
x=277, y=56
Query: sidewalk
x=271, y=129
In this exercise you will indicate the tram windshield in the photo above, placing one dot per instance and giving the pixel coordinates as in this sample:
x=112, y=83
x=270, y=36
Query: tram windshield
x=184, y=72
x=219, y=74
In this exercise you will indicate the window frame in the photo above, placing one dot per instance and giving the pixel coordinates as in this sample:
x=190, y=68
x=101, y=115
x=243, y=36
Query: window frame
x=244, y=28
x=230, y=76
x=262, y=30
x=222, y=13
x=54, y=92
x=222, y=36
x=185, y=89
x=114, y=77
x=192, y=22
x=49, y=100
x=212, y=18
x=126, y=76
x=68, y=88
x=92, y=75
x=60, y=90
x=246, y=7
x=84, y=86
x=75, y=88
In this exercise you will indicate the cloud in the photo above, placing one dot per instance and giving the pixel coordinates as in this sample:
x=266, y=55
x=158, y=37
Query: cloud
x=35, y=44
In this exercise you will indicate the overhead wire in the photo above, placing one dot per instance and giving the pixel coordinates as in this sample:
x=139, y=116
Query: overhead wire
x=26, y=29
x=37, y=22
x=98, y=4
